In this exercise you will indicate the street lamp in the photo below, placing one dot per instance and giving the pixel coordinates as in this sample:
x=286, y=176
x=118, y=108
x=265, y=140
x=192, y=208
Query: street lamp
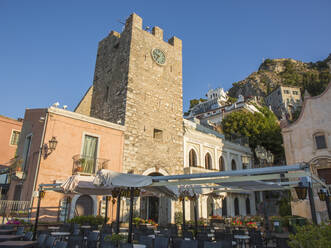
x=301, y=191
x=48, y=149
x=324, y=195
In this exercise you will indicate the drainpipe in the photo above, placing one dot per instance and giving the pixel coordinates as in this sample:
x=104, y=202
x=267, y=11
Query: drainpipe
x=39, y=158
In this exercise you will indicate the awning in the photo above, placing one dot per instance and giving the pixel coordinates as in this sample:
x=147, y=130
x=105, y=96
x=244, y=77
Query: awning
x=105, y=181
x=108, y=178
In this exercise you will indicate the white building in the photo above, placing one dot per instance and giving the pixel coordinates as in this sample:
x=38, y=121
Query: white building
x=206, y=150
x=216, y=107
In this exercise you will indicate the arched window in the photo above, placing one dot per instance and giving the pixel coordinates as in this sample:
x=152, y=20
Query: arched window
x=224, y=207
x=236, y=206
x=248, y=206
x=208, y=162
x=192, y=158
x=221, y=164
x=233, y=165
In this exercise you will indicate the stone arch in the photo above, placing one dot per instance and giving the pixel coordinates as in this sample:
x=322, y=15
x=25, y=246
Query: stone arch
x=161, y=205
x=233, y=164
x=72, y=212
x=208, y=161
x=210, y=206
x=248, y=206
x=84, y=205
x=224, y=207
x=221, y=163
x=236, y=206
x=192, y=158
x=155, y=170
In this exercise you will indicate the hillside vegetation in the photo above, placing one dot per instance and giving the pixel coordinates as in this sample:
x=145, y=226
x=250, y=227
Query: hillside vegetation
x=313, y=77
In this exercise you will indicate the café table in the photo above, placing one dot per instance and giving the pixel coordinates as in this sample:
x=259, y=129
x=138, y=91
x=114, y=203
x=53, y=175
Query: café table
x=54, y=228
x=139, y=246
x=10, y=237
x=6, y=231
x=60, y=235
x=18, y=244
x=241, y=239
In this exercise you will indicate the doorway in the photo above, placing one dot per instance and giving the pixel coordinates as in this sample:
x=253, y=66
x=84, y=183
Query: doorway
x=84, y=206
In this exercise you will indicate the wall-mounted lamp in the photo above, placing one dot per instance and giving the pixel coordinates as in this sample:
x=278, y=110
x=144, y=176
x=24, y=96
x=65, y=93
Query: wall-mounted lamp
x=301, y=191
x=322, y=194
x=50, y=147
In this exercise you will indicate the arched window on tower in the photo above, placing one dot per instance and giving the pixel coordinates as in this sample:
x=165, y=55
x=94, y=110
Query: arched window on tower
x=233, y=165
x=236, y=206
x=208, y=162
x=192, y=158
x=221, y=164
x=248, y=206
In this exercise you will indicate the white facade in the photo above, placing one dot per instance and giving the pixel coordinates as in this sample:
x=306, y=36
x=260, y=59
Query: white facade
x=203, y=141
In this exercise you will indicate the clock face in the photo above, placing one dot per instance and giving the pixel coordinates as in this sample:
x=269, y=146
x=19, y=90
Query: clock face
x=159, y=56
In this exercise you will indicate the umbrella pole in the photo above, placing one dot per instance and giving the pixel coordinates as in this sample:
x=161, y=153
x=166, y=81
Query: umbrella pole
x=118, y=213
x=131, y=215
x=183, y=203
x=106, y=211
x=196, y=217
x=37, y=216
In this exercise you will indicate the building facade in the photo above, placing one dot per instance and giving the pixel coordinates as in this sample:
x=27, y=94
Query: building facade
x=84, y=145
x=10, y=130
x=206, y=150
x=308, y=140
x=284, y=101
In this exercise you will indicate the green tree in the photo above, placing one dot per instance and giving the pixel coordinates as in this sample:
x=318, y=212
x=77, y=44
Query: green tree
x=261, y=129
x=194, y=102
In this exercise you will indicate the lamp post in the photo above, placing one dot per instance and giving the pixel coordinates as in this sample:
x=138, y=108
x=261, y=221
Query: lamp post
x=265, y=157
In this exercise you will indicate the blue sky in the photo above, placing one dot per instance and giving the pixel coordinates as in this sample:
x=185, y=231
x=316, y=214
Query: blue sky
x=48, y=48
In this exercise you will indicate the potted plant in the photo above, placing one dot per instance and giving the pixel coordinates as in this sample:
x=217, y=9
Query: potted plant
x=276, y=223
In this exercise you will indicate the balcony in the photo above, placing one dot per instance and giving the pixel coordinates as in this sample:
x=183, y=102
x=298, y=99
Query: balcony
x=84, y=165
x=197, y=169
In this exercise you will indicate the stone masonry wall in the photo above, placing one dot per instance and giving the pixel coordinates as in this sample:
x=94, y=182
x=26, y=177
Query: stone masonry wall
x=142, y=95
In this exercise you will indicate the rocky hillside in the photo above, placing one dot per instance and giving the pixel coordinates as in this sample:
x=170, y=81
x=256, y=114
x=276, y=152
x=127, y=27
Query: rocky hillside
x=289, y=72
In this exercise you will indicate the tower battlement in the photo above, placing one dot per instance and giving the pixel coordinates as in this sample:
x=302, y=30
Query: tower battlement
x=137, y=22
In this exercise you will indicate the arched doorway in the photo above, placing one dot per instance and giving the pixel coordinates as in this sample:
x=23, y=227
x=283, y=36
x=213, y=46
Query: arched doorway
x=233, y=165
x=150, y=205
x=84, y=206
x=224, y=207
x=210, y=206
x=236, y=207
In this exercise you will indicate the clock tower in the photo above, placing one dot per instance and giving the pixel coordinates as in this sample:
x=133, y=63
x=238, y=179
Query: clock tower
x=138, y=83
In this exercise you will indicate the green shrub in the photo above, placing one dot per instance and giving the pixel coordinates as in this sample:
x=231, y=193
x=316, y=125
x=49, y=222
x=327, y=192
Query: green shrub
x=88, y=220
x=311, y=236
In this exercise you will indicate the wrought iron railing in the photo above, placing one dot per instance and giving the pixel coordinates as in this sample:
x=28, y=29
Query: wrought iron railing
x=88, y=165
x=14, y=208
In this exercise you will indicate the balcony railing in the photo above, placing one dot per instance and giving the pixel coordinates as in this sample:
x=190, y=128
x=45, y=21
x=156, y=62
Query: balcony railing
x=197, y=169
x=88, y=165
x=14, y=208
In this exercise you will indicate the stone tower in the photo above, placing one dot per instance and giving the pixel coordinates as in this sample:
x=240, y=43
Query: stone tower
x=138, y=83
